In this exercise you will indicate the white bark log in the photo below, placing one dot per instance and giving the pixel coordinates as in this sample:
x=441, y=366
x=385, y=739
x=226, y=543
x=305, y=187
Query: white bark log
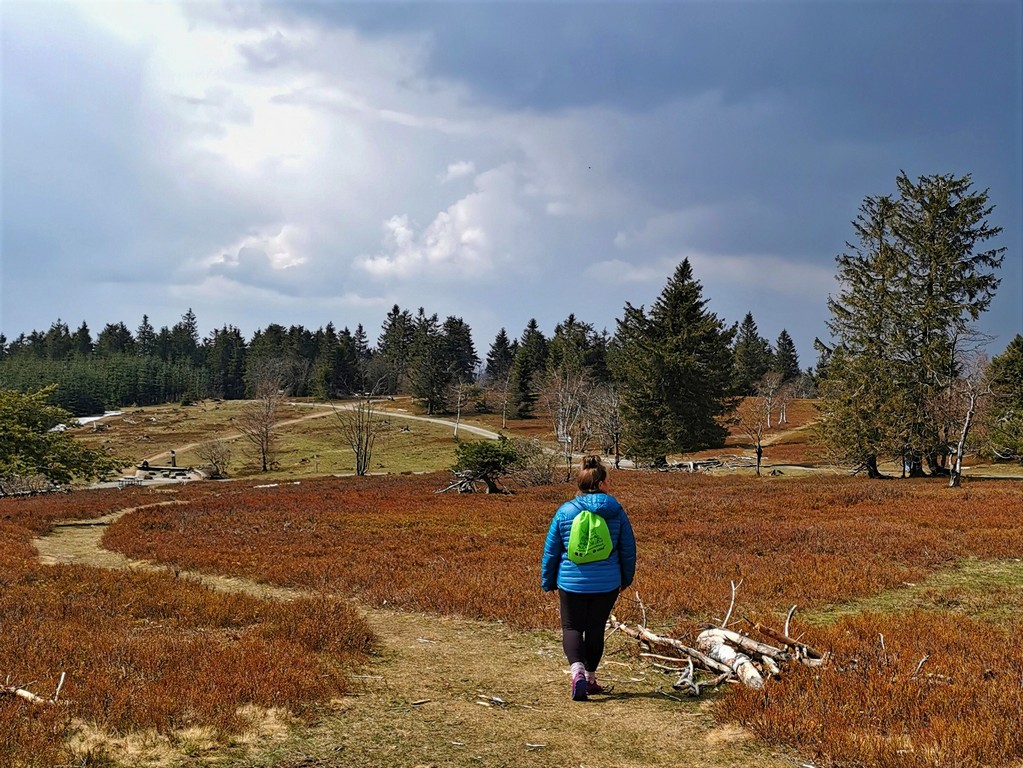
x=21, y=693
x=712, y=643
x=748, y=644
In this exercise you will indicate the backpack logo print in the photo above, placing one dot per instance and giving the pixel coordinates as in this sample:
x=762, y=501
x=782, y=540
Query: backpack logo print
x=589, y=540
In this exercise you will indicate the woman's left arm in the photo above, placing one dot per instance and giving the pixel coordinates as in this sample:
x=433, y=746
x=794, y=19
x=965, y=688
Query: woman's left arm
x=627, y=551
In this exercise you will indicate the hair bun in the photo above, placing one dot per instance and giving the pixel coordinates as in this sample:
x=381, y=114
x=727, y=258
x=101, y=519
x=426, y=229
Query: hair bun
x=591, y=462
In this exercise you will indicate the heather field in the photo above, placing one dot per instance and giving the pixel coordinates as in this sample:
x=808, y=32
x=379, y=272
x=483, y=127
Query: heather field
x=913, y=588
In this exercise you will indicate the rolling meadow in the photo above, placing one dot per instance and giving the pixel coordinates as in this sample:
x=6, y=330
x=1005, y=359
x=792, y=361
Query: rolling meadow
x=913, y=589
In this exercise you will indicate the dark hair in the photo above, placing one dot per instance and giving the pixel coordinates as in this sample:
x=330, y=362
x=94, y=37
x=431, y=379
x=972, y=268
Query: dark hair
x=591, y=475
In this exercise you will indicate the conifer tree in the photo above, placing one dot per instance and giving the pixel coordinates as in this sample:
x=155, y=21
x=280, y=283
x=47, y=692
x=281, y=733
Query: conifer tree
x=1006, y=416
x=145, y=338
x=785, y=360
x=674, y=367
x=499, y=359
x=428, y=371
x=527, y=370
x=910, y=287
x=393, y=348
x=752, y=356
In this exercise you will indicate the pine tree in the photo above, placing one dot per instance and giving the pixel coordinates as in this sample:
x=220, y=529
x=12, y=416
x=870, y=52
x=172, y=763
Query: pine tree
x=910, y=286
x=184, y=341
x=458, y=350
x=674, y=367
x=785, y=360
x=576, y=346
x=81, y=340
x=752, y=355
x=225, y=358
x=393, y=347
x=526, y=371
x=1006, y=416
x=145, y=338
x=115, y=338
x=57, y=341
x=428, y=371
x=499, y=359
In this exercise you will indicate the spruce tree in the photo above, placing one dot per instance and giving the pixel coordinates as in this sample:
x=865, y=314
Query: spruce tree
x=145, y=338
x=752, y=356
x=785, y=360
x=527, y=370
x=674, y=367
x=393, y=347
x=458, y=350
x=499, y=359
x=428, y=371
x=1006, y=415
x=909, y=288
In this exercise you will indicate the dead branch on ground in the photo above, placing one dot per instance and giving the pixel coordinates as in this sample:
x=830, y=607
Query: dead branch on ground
x=23, y=693
x=729, y=655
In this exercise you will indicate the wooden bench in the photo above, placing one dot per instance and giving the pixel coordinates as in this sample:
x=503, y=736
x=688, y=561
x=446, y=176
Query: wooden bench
x=126, y=481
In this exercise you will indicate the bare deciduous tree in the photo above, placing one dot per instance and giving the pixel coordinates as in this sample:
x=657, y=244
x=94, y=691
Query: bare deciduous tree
x=564, y=394
x=786, y=393
x=973, y=388
x=358, y=426
x=604, y=411
x=217, y=455
x=258, y=419
x=752, y=416
x=768, y=388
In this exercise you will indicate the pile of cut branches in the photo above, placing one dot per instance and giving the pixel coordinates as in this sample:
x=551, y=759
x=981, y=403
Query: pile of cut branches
x=726, y=654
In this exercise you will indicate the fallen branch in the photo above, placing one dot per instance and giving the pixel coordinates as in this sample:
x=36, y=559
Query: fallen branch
x=803, y=652
x=748, y=644
x=27, y=695
x=645, y=635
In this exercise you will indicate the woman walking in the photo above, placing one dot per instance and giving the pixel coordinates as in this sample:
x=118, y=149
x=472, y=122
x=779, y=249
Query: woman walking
x=589, y=557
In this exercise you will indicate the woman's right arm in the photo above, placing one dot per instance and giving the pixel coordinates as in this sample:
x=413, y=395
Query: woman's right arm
x=552, y=550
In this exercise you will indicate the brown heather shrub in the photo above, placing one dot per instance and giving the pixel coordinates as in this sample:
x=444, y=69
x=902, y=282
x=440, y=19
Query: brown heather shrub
x=811, y=542
x=146, y=650
x=871, y=706
x=392, y=539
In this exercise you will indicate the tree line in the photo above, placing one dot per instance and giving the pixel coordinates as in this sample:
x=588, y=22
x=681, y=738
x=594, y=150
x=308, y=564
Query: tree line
x=895, y=378
x=574, y=370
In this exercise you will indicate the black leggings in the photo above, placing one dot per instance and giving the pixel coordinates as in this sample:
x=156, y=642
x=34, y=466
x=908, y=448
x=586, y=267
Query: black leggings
x=583, y=618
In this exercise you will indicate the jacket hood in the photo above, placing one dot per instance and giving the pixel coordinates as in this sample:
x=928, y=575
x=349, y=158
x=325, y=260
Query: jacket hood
x=604, y=505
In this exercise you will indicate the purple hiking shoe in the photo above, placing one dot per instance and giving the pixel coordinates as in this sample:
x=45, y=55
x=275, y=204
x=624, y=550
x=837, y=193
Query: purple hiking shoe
x=579, y=687
x=594, y=688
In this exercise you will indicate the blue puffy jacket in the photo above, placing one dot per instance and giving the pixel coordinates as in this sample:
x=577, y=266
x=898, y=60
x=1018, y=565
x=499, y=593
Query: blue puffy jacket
x=557, y=571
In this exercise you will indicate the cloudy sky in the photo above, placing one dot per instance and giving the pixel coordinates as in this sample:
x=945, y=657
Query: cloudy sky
x=317, y=162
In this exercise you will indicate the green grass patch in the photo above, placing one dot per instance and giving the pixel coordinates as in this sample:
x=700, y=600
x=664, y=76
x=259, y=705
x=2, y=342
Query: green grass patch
x=991, y=590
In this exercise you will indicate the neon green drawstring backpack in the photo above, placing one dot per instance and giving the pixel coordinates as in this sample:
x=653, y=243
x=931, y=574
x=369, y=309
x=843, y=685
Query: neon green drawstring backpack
x=589, y=540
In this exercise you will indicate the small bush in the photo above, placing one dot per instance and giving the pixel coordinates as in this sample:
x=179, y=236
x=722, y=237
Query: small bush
x=534, y=465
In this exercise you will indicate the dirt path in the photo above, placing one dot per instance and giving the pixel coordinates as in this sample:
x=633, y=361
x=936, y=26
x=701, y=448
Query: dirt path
x=452, y=692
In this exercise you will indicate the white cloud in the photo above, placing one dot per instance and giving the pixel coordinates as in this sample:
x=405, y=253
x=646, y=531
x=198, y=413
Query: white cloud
x=772, y=273
x=276, y=251
x=614, y=271
x=458, y=170
x=469, y=239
